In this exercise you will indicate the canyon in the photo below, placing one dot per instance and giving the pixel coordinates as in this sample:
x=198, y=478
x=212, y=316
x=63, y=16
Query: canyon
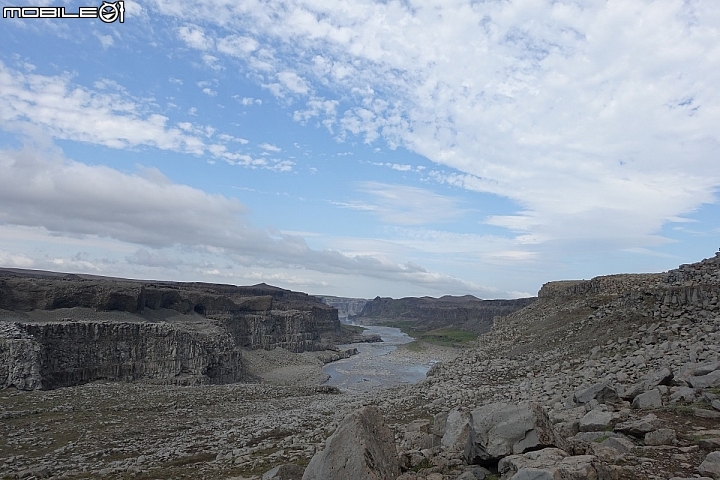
x=62, y=330
x=612, y=378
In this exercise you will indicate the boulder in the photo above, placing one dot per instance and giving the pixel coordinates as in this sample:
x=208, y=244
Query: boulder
x=620, y=444
x=361, y=448
x=685, y=394
x=659, y=377
x=710, y=380
x=501, y=429
x=288, y=471
x=661, y=436
x=601, y=392
x=596, y=420
x=548, y=463
x=706, y=368
x=711, y=465
x=457, y=430
x=649, y=399
x=638, y=428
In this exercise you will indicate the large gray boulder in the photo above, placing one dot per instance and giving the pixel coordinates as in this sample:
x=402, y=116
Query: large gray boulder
x=649, y=399
x=457, y=430
x=710, y=380
x=362, y=448
x=601, y=392
x=548, y=464
x=501, y=429
x=711, y=465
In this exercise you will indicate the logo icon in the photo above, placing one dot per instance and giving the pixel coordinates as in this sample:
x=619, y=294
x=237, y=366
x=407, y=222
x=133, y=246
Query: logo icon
x=111, y=11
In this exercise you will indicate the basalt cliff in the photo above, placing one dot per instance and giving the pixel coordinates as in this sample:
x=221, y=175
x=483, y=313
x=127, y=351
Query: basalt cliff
x=59, y=330
x=426, y=313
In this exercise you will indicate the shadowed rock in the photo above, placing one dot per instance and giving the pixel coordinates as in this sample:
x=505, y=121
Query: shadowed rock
x=362, y=448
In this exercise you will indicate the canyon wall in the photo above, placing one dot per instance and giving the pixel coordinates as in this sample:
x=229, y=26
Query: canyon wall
x=66, y=330
x=466, y=312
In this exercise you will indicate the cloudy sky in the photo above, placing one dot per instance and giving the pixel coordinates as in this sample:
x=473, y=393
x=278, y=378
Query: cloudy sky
x=362, y=148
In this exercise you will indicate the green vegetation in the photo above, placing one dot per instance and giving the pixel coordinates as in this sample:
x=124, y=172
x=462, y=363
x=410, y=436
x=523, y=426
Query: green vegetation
x=353, y=328
x=426, y=463
x=447, y=336
x=416, y=346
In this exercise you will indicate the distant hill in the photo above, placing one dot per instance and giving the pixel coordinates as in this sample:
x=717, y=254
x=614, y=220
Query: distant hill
x=426, y=313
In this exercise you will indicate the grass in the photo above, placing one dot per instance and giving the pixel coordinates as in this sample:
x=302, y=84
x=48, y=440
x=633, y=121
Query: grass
x=426, y=463
x=353, y=328
x=446, y=336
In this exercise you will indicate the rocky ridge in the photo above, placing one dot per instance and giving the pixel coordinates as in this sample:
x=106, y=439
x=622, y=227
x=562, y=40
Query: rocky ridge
x=62, y=330
x=426, y=313
x=624, y=368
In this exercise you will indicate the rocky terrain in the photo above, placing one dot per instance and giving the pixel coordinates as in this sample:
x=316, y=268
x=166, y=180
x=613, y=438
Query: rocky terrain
x=62, y=330
x=467, y=313
x=617, y=377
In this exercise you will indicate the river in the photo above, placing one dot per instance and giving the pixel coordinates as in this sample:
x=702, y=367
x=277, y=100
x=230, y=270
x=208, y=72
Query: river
x=377, y=365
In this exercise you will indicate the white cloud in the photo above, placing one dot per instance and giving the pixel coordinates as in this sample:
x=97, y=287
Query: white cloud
x=598, y=119
x=105, y=40
x=237, y=45
x=195, y=37
x=270, y=148
x=293, y=82
x=404, y=205
x=15, y=260
x=40, y=189
x=71, y=112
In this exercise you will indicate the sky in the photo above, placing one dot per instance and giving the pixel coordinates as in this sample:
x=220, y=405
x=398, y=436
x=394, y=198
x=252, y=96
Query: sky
x=362, y=148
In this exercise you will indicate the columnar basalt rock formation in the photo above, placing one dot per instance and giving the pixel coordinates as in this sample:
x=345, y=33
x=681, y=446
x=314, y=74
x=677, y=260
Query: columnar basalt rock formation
x=466, y=313
x=66, y=330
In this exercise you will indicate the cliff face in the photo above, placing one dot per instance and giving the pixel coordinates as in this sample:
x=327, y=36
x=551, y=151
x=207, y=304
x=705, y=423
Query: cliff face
x=467, y=313
x=66, y=330
x=59, y=354
x=347, y=307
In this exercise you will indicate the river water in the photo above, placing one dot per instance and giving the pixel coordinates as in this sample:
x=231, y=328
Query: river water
x=377, y=365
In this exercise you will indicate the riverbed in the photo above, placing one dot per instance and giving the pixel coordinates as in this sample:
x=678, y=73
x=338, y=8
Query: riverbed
x=379, y=364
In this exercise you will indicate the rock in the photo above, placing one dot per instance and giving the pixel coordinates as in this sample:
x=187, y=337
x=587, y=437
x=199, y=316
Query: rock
x=288, y=471
x=632, y=391
x=596, y=420
x=649, y=399
x=638, y=428
x=548, y=463
x=661, y=436
x=457, y=430
x=72, y=330
x=501, y=429
x=620, y=444
x=659, y=377
x=705, y=381
x=706, y=369
x=711, y=465
x=704, y=413
x=362, y=447
x=685, y=394
x=600, y=392
x=438, y=424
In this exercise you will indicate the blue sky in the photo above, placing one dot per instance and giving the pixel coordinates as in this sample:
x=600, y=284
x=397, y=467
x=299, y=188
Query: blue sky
x=362, y=148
